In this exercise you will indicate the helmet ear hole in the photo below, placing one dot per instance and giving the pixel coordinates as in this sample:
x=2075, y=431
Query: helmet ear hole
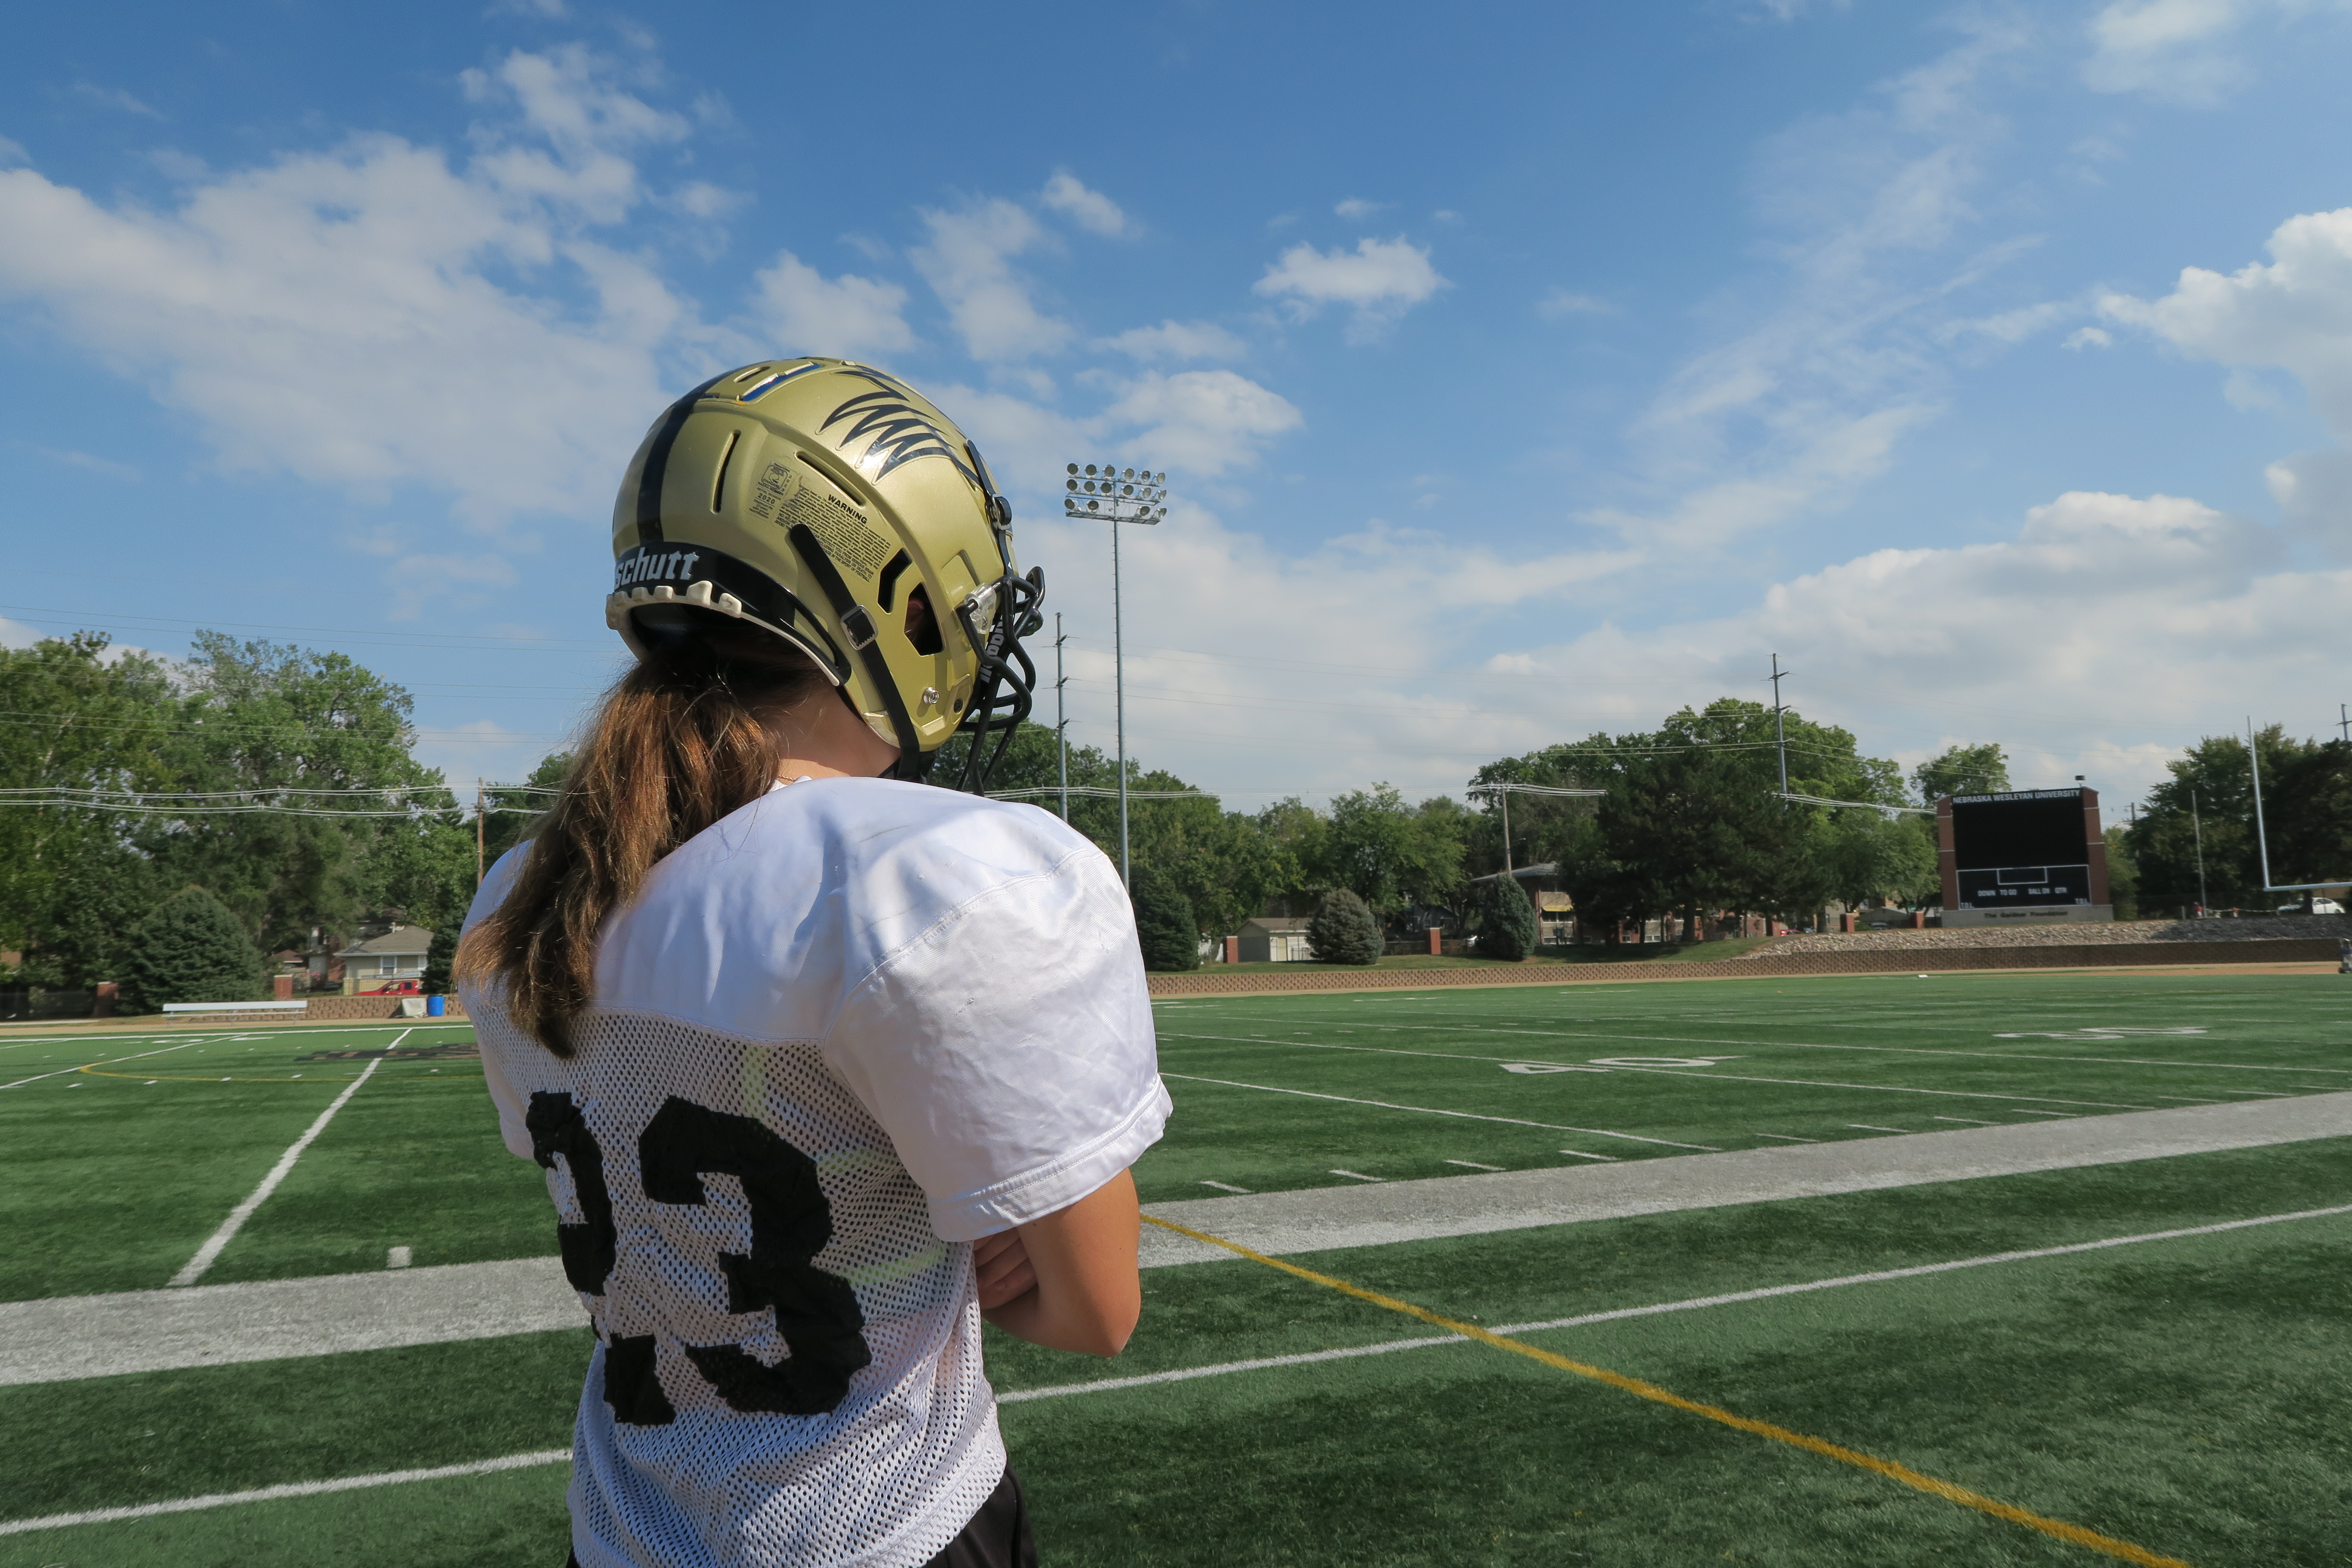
x=890, y=574
x=922, y=627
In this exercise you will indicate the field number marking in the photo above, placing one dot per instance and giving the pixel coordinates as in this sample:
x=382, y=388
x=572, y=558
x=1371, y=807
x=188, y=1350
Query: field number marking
x=1917, y=1480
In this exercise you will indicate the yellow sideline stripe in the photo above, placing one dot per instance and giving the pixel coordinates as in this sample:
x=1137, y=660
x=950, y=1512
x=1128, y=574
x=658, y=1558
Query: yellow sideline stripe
x=1909, y=1477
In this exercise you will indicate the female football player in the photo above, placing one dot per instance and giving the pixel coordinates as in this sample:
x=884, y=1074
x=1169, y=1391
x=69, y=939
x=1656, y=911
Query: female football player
x=825, y=1064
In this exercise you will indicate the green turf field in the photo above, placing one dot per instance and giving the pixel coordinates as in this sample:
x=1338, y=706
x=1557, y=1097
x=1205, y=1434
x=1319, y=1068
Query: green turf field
x=2187, y=1397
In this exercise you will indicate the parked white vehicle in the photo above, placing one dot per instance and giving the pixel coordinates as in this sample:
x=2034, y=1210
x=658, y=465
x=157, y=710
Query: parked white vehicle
x=2313, y=907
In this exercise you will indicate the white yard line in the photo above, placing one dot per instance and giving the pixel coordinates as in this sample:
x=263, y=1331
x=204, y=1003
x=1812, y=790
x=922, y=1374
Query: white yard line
x=549, y=1456
x=108, y=1061
x=1787, y=1138
x=1686, y=1072
x=1432, y=1111
x=206, y=1254
x=1473, y=1164
x=1691, y=1304
x=292, y=1489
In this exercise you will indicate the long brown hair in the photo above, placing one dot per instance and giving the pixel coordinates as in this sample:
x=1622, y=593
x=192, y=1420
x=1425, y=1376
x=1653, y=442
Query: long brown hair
x=688, y=736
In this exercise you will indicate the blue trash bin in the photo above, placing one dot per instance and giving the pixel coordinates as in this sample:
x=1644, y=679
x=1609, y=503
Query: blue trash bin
x=437, y=1006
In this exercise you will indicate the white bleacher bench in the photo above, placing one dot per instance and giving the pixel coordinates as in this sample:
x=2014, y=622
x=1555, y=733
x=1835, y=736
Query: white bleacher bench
x=236, y=1007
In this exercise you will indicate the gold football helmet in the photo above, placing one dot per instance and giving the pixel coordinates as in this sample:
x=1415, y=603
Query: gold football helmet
x=834, y=506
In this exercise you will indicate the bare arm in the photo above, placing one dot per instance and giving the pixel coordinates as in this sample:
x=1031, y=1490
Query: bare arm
x=1067, y=1281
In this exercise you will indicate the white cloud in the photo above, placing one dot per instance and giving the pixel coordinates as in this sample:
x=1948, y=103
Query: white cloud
x=2088, y=338
x=1091, y=209
x=1176, y=340
x=12, y=153
x=1380, y=282
x=2011, y=326
x=700, y=199
x=1787, y=419
x=2168, y=48
x=1249, y=668
x=1201, y=421
x=2109, y=631
x=1560, y=303
x=467, y=580
x=1356, y=207
x=968, y=264
x=849, y=317
x=370, y=316
x=2294, y=314
x=90, y=462
x=114, y=97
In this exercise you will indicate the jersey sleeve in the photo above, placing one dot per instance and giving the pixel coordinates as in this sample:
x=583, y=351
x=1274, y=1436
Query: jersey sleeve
x=1008, y=1049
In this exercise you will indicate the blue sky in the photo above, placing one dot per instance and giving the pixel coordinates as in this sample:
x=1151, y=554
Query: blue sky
x=1519, y=371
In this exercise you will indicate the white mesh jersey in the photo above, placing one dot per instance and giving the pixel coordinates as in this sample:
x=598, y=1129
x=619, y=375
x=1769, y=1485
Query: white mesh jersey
x=840, y=1035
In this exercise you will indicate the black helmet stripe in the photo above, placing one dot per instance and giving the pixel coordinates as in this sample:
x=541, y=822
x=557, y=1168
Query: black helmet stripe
x=649, y=479
x=859, y=624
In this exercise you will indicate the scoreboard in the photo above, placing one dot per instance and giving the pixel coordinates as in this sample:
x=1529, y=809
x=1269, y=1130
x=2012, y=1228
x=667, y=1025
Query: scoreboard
x=2024, y=854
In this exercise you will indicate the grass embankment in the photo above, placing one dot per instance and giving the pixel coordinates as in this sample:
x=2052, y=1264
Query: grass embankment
x=1644, y=952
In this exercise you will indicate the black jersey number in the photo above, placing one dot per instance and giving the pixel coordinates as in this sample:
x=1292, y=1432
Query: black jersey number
x=816, y=1313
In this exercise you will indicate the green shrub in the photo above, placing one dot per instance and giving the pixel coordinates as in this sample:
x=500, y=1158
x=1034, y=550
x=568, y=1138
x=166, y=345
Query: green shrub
x=190, y=949
x=1163, y=922
x=1343, y=931
x=1506, y=922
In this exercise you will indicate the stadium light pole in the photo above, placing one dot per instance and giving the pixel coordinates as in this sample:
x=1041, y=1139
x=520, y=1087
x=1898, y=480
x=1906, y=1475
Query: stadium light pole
x=1117, y=495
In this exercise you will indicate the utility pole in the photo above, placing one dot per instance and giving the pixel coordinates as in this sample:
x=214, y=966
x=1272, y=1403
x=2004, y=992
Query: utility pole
x=2261, y=838
x=1780, y=729
x=2344, y=719
x=479, y=838
x=1506, y=832
x=2198, y=829
x=1117, y=496
x=1062, y=717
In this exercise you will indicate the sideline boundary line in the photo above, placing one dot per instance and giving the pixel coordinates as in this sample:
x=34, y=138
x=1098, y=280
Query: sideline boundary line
x=2074, y=1534
x=209, y=1253
x=291, y=1489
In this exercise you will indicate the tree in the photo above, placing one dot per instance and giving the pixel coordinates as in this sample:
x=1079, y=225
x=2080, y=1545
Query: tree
x=1867, y=854
x=1981, y=769
x=439, y=956
x=2123, y=875
x=1163, y=922
x=1388, y=853
x=77, y=715
x=1343, y=930
x=514, y=816
x=269, y=717
x=191, y=948
x=1506, y=922
x=2209, y=796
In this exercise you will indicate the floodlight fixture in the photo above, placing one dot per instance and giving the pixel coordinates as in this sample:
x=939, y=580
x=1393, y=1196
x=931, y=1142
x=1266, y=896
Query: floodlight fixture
x=1108, y=493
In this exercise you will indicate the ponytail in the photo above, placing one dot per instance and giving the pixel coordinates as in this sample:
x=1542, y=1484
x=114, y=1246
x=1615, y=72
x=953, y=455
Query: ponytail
x=684, y=739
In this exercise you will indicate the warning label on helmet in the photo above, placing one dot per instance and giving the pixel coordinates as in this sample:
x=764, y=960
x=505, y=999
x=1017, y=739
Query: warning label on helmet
x=774, y=486
x=844, y=535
